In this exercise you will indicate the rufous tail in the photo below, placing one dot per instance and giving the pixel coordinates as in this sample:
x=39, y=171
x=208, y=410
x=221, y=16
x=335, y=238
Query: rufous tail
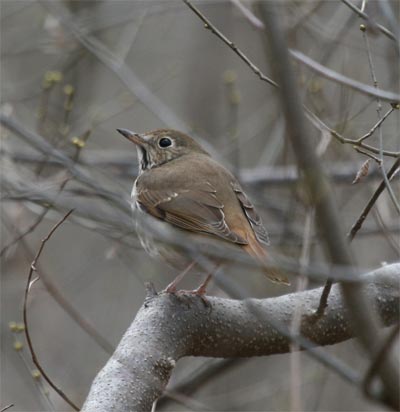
x=253, y=248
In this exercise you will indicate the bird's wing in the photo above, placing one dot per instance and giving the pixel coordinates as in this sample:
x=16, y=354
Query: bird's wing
x=196, y=209
x=252, y=216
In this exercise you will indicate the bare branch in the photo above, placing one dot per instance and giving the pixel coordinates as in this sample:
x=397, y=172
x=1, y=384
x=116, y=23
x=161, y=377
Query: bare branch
x=125, y=166
x=355, y=142
x=382, y=352
x=302, y=58
x=376, y=125
x=230, y=44
x=25, y=313
x=7, y=407
x=340, y=78
x=364, y=16
x=365, y=321
x=169, y=327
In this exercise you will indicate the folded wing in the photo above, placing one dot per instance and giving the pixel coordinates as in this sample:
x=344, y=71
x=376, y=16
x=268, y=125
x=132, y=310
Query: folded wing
x=196, y=209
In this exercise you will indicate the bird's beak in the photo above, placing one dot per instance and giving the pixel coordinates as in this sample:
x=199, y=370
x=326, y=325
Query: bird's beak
x=136, y=138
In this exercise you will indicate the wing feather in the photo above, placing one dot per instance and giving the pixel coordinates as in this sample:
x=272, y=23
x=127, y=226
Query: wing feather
x=252, y=216
x=196, y=209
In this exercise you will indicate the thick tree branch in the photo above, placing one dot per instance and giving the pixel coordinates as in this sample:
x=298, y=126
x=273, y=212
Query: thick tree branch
x=169, y=327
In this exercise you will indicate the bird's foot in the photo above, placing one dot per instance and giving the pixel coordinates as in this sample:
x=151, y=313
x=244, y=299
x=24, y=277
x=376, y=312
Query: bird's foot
x=200, y=291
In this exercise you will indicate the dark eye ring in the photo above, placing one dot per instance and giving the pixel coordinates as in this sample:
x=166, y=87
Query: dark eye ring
x=165, y=142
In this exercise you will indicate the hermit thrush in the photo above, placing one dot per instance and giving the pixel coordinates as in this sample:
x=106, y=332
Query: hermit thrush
x=181, y=187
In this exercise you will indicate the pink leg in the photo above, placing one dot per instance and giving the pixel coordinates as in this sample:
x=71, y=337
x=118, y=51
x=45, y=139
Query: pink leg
x=201, y=290
x=171, y=288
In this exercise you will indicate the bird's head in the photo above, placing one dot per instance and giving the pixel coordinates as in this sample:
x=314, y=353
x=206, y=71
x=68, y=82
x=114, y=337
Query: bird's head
x=160, y=146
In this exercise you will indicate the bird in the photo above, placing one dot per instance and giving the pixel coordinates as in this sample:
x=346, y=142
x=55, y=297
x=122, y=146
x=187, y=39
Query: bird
x=180, y=187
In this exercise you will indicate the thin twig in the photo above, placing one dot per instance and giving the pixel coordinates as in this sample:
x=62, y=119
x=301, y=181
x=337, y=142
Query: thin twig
x=323, y=303
x=365, y=322
x=295, y=326
x=380, y=133
x=248, y=14
x=364, y=16
x=132, y=82
x=381, y=353
x=25, y=313
x=370, y=155
x=375, y=126
x=359, y=222
x=7, y=407
x=64, y=303
x=34, y=225
x=43, y=214
x=208, y=25
x=342, y=79
x=313, y=65
x=205, y=374
x=385, y=230
x=355, y=142
x=302, y=58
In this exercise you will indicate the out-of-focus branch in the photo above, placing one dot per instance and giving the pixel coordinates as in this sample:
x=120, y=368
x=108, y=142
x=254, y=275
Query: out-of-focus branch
x=324, y=71
x=39, y=143
x=169, y=327
x=341, y=79
x=364, y=320
x=7, y=407
x=127, y=76
x=126, y=166
x=302, y=58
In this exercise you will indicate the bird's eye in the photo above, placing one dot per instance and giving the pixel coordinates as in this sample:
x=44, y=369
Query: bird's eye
x=165, y=142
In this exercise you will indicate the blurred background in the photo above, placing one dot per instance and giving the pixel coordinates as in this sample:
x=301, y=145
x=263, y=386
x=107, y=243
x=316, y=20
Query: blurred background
x=74, y=71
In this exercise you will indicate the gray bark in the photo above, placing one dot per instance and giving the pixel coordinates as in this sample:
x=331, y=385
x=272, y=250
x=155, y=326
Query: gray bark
x=169, y=327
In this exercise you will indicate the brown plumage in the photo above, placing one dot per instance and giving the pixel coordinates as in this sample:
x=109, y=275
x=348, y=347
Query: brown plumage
x=181, y=185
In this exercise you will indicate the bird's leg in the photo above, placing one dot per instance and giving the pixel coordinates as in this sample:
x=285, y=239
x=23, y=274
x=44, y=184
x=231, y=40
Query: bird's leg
x=201, y=290
x=171, y=288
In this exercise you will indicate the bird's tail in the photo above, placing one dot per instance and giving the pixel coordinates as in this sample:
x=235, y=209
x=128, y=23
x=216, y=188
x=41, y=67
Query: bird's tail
x=253, y=248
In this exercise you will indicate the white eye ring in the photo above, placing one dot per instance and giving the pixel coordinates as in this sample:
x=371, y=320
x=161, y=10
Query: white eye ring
x=165, y=142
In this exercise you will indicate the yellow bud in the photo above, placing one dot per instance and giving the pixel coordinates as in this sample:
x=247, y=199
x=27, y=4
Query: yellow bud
x=315, y=86
x=20, y=327
x=57, y=76
x=68, y=106
x=48, y=76
x=235, y=97
x=395, y=105
x=46, y=84
x=36, y=374
x=12, y=326
x=18, y=345
x=363, y=27
x=78, y=142
x=69, y=89
x=229, y=76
